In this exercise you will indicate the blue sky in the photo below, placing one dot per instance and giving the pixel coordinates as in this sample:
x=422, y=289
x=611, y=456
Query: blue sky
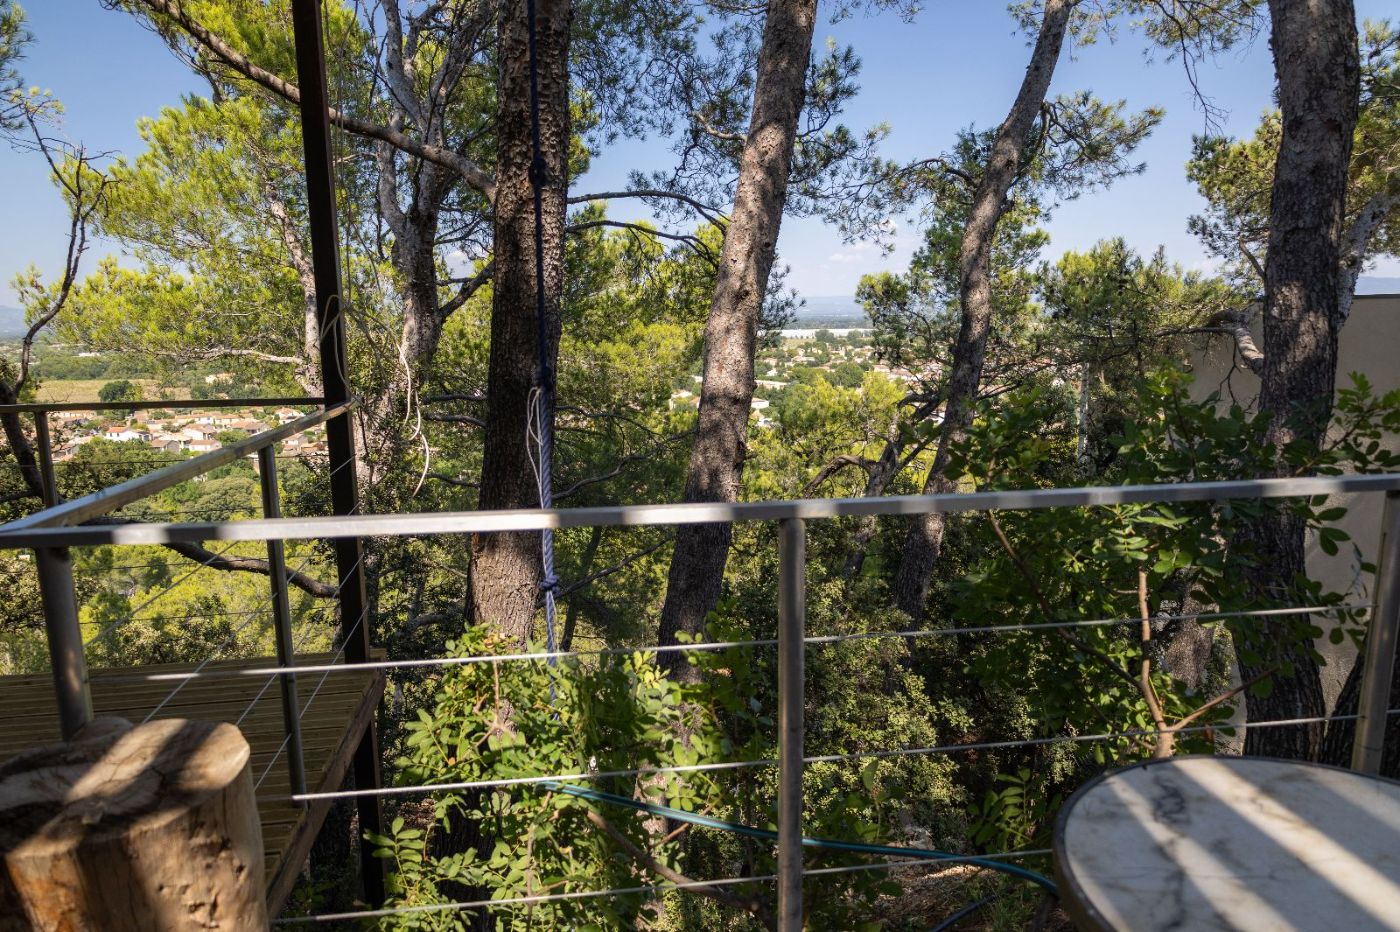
x=958, y=63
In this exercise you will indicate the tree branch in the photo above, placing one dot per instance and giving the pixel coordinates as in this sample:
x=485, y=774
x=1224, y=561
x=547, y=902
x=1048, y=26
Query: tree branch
x=712, y=214
x=1166, y=738
x=214, y=561
x=1223, y=697
x=223, y=352
x=622, y=564
x=453, y=480
x=1357, y=239
x=719, y=895
x=469, y=171
x=835, y=465
x=1249, y=255
x=469, y=287
x=456, y=419
x=1235, y=322
x=695, y=244
x=1109, y=663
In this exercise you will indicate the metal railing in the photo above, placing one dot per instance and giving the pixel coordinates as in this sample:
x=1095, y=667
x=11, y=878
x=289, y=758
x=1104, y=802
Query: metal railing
x=67, y=651
x=44, y=533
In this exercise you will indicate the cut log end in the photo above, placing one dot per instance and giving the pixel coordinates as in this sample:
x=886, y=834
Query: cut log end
x=150, y=827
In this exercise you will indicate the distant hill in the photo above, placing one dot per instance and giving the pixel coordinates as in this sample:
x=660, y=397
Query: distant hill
x=844, y=311
x=1375, y=284
x=840, y=311
x=11, y=323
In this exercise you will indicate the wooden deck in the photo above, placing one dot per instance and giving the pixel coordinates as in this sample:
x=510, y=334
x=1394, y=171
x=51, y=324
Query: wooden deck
x=332, y=726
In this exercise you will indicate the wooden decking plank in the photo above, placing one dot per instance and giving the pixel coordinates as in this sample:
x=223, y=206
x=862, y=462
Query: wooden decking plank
x=247, y=686
x=333, y=721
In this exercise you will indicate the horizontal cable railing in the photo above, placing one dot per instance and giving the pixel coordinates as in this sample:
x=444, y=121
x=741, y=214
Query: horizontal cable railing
x=506, y=902
x=429, y=524
x=57, y=528
x=105, y=501
x=817, y=640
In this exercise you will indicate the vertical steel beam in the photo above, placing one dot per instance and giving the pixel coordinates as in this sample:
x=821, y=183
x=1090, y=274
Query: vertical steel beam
x=282, y=621
x=340, y=437
x=792, y=622
x=1378, y=661
x=65, y=637
x=67, y=659
x=45, y=443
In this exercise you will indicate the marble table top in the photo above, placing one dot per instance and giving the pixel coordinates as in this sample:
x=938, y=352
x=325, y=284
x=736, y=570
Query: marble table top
x=1231, y=843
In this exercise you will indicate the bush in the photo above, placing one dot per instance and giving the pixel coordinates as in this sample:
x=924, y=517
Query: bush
x=120, y=390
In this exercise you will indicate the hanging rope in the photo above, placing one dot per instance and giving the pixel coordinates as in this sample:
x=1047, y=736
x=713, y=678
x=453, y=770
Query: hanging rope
x=540, y=434
x=540, y=426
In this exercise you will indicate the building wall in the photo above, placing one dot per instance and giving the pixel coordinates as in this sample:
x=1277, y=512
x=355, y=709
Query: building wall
x=1369, y=344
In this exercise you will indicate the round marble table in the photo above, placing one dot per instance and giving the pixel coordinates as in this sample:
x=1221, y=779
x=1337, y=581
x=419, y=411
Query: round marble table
x=1231, y=843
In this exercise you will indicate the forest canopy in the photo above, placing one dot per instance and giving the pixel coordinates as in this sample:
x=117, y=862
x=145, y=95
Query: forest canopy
x=517, y=337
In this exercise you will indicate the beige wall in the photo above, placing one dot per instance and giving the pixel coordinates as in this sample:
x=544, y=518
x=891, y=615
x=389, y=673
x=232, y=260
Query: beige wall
x=1370, y=344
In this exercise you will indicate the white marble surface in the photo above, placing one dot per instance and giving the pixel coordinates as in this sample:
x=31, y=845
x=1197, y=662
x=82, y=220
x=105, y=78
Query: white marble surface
x=1234, y=843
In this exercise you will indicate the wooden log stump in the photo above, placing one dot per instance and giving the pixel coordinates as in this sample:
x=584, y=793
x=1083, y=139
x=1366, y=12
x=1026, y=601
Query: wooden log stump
x=147, y=828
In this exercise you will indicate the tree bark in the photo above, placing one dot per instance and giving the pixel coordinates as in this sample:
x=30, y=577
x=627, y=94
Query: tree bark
x=146, y=828
x=1354, y=245
x=1316, y=60
x=307, y=367
x=925, y=538
x=750, y=246
x=1341, y=735
x=893, y=458
x=21, y=449
x=506, y=567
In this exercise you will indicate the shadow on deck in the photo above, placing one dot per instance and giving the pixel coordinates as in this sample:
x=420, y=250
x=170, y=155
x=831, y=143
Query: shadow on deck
x=333, y=722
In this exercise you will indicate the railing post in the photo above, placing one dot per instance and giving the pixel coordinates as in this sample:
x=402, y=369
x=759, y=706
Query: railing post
x=1378, y=661
x=792, y=622
x=45, y=444
x=65, y=636
x=282, y=621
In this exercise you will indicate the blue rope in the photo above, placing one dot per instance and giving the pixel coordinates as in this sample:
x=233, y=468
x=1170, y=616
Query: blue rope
x=852, y=847
x=542, y=389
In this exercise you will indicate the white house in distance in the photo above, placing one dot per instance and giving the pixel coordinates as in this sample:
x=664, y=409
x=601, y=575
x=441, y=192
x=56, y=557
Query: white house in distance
x=123, y=432
x=1369, y=344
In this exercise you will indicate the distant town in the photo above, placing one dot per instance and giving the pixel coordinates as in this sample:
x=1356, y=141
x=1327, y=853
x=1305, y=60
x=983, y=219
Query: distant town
x=839, y=355
x=176, y=431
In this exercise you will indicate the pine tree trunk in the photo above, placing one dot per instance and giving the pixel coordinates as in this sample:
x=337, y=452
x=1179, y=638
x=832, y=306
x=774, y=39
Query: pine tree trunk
x=925, y=539
x=1316, y=60
x=750, y=246
x=415, y=260
x=1341, y=735
x=506, y=567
